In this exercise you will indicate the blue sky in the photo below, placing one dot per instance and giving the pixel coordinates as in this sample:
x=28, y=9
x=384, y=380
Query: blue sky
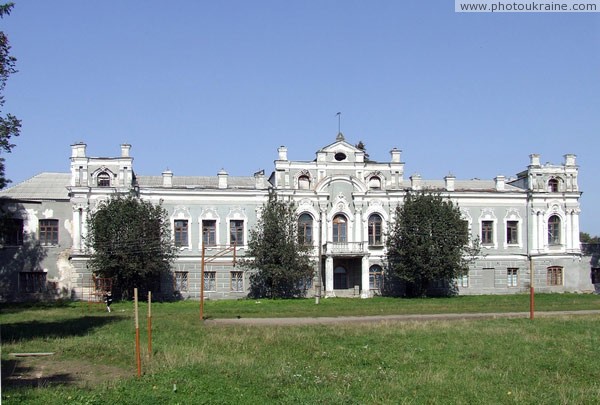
x=196, y=86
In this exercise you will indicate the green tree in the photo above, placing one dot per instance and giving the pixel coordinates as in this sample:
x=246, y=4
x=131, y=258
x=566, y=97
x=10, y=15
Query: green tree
x=9, y=125
x=428, y=242
x=130, y=242
x=585, y=237
x=361, y=146
x=282, y=265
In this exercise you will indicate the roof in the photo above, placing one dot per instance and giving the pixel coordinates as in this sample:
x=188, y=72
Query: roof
x=197, y=181
x=43, y=186
x=463, y=185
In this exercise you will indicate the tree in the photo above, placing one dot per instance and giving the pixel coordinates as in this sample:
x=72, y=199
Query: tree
x=9, y=125
x=585, y=237
x=130, y=242
x=281, y=262
x=361, y=146
x=428, y=242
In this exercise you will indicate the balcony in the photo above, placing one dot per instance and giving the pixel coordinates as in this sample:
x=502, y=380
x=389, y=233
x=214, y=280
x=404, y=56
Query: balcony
x=345, y=248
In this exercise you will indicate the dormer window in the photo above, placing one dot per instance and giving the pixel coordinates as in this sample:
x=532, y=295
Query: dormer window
x=553, y=186
x=103, y=179
x=375, y=183
x=304, y=182
x=340, y=156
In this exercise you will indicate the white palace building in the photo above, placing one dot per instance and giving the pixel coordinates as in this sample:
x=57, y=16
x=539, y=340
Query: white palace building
x=344, y=204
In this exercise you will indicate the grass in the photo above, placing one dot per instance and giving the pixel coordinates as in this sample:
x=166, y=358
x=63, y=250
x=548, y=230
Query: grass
x=548, y=360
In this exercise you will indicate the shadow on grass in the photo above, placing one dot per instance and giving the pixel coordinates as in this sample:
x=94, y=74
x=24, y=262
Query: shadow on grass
x=20, y=331
x=16, y=374
x=12, y=308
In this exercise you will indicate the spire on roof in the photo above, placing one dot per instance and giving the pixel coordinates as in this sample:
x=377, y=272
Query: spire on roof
x=340, y=137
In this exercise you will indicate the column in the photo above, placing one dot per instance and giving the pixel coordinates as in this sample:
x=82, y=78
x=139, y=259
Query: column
x=366, y=291
x=533, y=233
x=76, y=228
x=329, y=277
x=568, y=238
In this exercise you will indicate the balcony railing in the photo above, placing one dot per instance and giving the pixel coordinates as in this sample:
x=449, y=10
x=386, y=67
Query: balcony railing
x=345, y=247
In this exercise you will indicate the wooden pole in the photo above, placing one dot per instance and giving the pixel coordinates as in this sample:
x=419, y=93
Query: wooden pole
x=149, y=324
x=202, y=282
x=138, y=358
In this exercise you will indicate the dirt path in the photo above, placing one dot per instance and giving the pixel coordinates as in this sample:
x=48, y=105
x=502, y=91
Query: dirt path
x=388, y=318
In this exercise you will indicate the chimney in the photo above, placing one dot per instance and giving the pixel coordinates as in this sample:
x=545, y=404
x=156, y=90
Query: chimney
x=500, y=182
x=222, y=175
x=167, y=176
x=395, y=155
x=282, y=153
x=570, y=159
x=78, y=150
x=259, y=178
x=534, y=159
x=450, y=182
x=415, y=181
x=125, y=150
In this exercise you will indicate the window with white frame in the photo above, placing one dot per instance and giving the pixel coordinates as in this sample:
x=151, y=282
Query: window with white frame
x=209, y=232
x=512, y=277
x=375, y=236
x=463, y=280
x=554, y=230
x=103, y=179
x=305, y=229
x=553, y=185
x=512, y=232
x=375, y=277
x=487, y=232
x=236, y=232
x=180, y=229
x=340, y=229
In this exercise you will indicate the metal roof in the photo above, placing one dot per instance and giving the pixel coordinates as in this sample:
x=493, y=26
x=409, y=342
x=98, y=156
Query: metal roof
x=44, y=186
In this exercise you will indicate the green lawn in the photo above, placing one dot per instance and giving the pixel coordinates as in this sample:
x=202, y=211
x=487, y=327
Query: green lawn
x=547, y=360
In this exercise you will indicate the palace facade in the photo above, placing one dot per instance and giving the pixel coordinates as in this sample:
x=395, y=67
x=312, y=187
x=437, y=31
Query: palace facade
x=344, y=203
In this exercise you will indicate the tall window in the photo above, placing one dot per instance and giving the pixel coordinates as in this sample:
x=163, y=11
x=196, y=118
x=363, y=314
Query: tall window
x=209, y=232
x=554, y=275
x=237, y=281
x=236, y=232
x=181, y=281
x=305, y=229
x=463, y=280
x=512, y=232
x=375, y=277
x=210, y=281
x=340, y=228
x=32, y=281
x=553, y=186
x=304, y=182
x=103, y=179
x=487, y=232
x=512, y=276
x=11, y=234
x=181, y=232
x=554, y=230
x=48, y=231
x=374, y=224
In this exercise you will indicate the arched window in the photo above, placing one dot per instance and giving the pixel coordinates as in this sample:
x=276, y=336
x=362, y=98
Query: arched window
x=554, y=230
x=375, y=277
x=305, y=229
x=553, y=185
x=304, y=182
x=375, y=222
x=340, y=229
x=103, y=179
x=375, y=183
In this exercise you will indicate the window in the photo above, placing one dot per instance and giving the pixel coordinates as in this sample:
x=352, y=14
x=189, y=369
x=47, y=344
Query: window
x=236, y=232
x=304, y=182
x=32, y=281
x=210, y=281
x=181, y=281
x=305, y=223
x=512, y=277
x=463, y=281
x=103, y=179
x=12, y=232
x=339, y=228
x=375, y=277
x=374, y=224
x=487, y=232
x=181, y=232
x=512, y=232
x=595, y=275
x=237, y=281
x=554, y=275
x=554, y=230
x=48, y=234
x=553, y=186
x=375, y=183
x=209, y=232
